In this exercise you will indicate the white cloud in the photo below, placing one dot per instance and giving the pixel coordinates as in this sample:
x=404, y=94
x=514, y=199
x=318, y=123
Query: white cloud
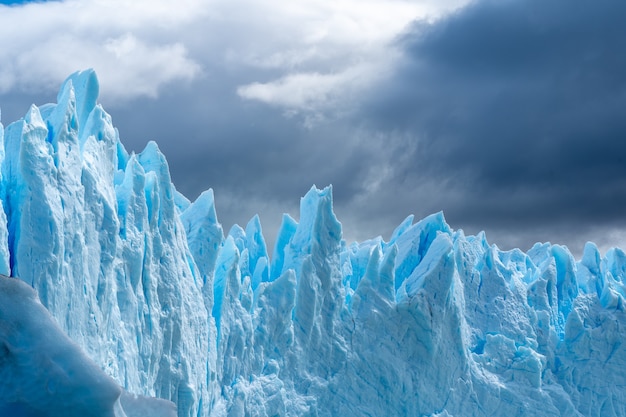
x=133, y=56
x=334, y=49
x=48, y=41
x=319, y=47
x=301, y=91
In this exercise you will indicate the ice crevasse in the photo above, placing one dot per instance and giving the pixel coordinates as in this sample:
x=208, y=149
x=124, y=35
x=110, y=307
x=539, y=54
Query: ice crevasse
x=157, y=301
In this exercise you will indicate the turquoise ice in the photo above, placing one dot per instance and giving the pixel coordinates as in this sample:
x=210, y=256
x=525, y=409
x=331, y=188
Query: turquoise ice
x=150, y=288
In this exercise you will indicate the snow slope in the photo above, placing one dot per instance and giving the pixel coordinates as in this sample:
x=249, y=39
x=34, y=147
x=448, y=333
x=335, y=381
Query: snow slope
x=432, y=322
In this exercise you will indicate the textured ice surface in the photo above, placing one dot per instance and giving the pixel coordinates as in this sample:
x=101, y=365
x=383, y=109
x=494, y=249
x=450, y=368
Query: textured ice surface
x=44, y=374
x=431, y=322
x=96, y=232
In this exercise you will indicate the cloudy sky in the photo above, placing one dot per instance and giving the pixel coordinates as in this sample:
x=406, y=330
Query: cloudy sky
x=508, y=115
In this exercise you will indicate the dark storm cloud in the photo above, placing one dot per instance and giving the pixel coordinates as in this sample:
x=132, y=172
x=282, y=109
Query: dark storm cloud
x=519, y=108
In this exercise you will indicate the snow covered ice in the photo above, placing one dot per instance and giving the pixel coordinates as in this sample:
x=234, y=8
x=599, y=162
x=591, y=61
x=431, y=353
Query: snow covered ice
x=164, y=304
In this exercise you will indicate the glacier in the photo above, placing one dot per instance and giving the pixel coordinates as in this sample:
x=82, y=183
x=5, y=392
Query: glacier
x=145, y=289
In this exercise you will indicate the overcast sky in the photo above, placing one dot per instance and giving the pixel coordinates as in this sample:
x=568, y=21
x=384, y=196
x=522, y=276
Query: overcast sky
x=508, y=115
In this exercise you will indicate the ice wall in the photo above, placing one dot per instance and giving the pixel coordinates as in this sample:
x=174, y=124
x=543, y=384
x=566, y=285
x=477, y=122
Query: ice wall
x=432, y=322
x=96, y=232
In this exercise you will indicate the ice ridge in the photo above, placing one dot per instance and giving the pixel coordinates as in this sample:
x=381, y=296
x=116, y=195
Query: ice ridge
x=431, y=322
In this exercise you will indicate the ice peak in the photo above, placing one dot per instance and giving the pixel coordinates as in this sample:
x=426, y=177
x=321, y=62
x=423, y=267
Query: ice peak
x=257, y=251
x=33, y=117
x=86, y=90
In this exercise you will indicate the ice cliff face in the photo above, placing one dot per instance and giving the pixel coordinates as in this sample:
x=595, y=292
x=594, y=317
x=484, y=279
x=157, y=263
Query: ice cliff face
x=432, y=322
x=97, y=234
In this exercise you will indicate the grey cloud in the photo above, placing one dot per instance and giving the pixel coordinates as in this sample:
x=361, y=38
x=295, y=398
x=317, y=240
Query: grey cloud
x=518, y=107
x=256, y=159
x=14, y=105
x=508, y=116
